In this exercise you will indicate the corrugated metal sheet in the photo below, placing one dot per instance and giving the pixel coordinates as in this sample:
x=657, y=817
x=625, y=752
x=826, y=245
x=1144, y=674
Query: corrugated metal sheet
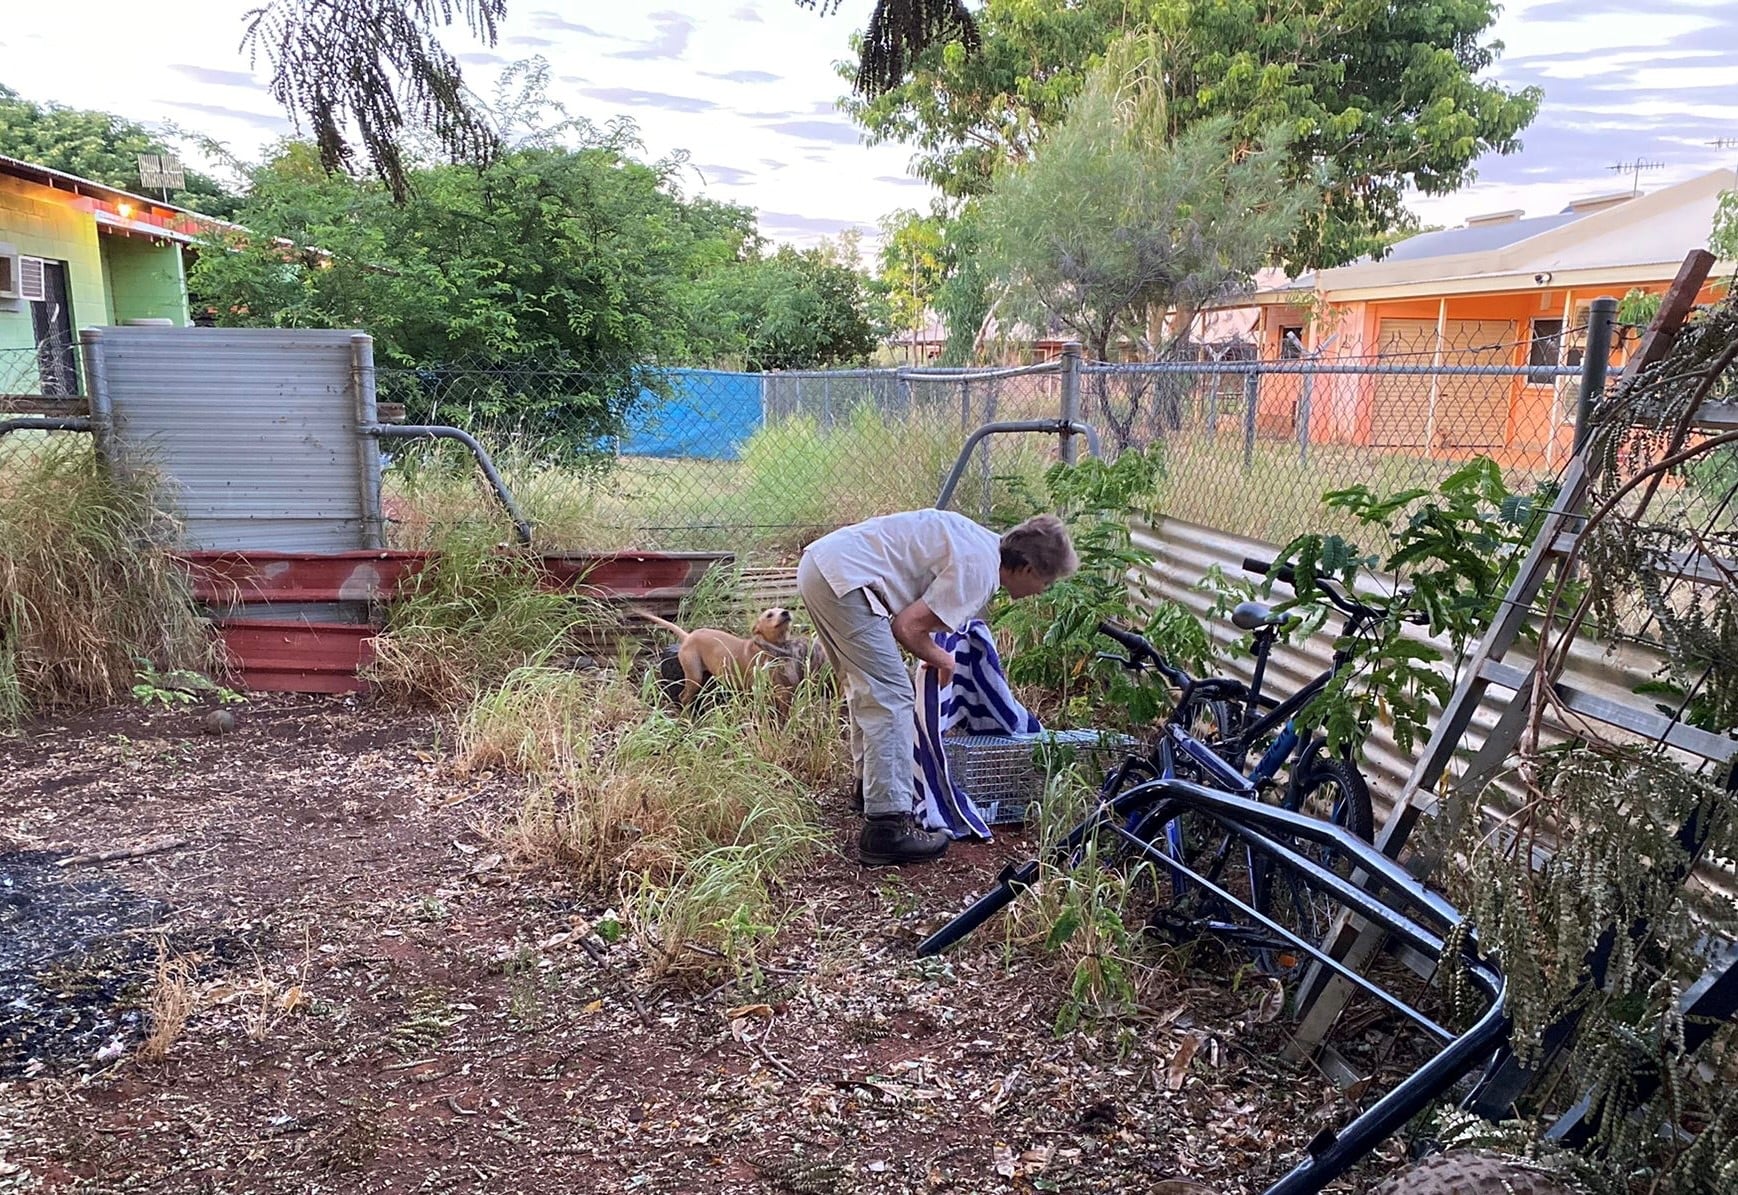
x=254, y=431
x=1184, y=552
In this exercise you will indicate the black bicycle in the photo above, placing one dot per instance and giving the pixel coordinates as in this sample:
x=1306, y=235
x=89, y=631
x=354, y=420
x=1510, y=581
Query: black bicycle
x=1216, y=724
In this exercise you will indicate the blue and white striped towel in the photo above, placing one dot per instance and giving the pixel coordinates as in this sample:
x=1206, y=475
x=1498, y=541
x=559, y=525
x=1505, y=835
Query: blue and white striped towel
x=978, y=701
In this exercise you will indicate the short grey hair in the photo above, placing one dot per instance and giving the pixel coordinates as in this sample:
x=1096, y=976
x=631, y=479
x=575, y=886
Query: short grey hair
x=1042, y=543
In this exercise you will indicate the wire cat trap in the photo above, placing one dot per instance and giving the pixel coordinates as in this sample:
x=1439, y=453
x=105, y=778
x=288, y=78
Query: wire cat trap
x=1005, y=774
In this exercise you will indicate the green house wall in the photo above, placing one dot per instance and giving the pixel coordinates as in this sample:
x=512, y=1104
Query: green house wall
x=145, y=281
x=41, y=222
x=111, y=278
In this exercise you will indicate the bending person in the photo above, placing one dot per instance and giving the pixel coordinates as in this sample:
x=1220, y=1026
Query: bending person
x=890, y=582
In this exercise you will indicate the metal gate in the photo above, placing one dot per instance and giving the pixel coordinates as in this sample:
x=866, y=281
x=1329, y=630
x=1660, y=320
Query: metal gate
x=255, y=434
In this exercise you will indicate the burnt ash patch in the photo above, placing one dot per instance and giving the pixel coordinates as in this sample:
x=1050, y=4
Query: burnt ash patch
x=76, y=952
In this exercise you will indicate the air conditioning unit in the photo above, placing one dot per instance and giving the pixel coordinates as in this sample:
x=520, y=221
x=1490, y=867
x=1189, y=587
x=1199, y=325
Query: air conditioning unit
x=32, y=279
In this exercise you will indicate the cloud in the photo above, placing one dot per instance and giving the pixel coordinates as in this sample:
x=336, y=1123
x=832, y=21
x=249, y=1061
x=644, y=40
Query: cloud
x=555, y=22
x=216, y=78
x=791, y=224
x=836, y=132
x=671, y=39
x=481, y=58
x=744, y=76
x=772, y=163
x=746, y=13
x=895, y=180
x=726, y=176
x=649, y=99
x=526, y=40
x=270, y=122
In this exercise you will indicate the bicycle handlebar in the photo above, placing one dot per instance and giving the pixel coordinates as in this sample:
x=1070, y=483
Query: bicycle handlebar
x=1139, y=649
x=1335, y=593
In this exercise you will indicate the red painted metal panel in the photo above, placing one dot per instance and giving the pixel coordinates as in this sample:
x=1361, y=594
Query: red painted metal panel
x=298, y=656
x=308, y=655
x=236, y=578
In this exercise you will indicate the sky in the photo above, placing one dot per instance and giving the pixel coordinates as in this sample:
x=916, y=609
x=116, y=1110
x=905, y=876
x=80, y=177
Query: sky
x=748, y=88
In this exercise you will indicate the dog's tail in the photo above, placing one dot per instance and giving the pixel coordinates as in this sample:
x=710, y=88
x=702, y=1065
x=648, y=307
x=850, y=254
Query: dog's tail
x=681, y=635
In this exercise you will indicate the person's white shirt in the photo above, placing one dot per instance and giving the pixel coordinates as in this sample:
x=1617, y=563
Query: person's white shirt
x=943, y=558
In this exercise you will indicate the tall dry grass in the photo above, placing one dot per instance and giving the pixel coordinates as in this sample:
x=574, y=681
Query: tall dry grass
x=86, y=588
x=172, y=1002
x=695, y=821
x=471, y=617
x=793, y=479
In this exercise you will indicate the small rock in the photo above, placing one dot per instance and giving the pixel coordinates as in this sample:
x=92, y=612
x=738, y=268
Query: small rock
x=219, y=722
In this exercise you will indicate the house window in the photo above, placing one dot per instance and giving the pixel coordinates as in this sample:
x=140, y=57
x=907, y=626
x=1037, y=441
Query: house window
x=1545, y=350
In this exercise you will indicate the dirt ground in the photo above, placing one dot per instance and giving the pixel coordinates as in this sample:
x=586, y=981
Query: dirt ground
x=385, y=1004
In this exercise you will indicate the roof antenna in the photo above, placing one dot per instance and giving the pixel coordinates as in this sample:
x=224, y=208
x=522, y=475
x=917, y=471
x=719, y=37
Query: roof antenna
x=1634, y=169
x=1724, y=143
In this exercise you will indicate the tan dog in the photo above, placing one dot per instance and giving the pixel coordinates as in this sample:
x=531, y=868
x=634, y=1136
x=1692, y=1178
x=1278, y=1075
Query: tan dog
x=729, y=657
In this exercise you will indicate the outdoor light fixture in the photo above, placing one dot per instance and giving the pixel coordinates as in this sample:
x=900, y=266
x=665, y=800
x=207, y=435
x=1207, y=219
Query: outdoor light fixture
x=1542, y=279
x=126, y=210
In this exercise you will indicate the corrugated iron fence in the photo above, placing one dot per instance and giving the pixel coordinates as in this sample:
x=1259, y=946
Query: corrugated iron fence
x=1182, y=555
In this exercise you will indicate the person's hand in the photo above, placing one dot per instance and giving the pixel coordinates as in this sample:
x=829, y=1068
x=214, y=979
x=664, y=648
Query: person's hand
x=943, y=671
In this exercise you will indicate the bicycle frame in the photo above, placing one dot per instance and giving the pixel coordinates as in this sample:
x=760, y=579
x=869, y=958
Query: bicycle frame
x=1411, y=912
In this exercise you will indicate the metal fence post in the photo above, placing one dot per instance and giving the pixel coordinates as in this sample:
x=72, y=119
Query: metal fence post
x=1601, y=323
x=97, y=387
x=1070, y=397
x=367, y=447
x=1251, y=394
x=1303, y=417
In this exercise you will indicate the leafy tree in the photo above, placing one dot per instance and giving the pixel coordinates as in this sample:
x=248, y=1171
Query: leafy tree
x=913, y=252
x=581, y=255
x=1723, y=241
x=1374, y=97
x=371, y=69
x=99, y=146
x=962, y=298
x=535, y=289
x=790, y=310
x=1112, y=224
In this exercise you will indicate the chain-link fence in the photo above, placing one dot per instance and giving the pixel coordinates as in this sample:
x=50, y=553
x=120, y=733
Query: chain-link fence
x=40, y=388
x=1251, y=446
x=685, y=458
x=695, y=458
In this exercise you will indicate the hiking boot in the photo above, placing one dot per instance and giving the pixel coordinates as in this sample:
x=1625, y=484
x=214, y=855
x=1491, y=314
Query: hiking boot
x=894, y=838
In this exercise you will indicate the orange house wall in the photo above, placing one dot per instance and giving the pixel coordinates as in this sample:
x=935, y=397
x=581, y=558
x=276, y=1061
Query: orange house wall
x=1341, y=406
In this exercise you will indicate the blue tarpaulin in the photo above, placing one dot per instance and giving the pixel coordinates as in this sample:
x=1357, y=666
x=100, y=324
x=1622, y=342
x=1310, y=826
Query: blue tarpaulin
x=703, y=414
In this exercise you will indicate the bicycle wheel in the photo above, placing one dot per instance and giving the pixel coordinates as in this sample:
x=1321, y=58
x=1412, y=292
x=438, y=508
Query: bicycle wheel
x=1333, y=791
x=1213, y=720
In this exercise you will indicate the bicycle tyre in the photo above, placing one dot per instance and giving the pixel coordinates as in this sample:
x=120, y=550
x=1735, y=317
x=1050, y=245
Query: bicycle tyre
x=1354, y=792
x=1213, y=720
x=1468, y=1172
x=1284, y=895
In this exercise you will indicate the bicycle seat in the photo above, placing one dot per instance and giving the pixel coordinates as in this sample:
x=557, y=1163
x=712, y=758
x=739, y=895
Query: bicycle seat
x=1252, y=616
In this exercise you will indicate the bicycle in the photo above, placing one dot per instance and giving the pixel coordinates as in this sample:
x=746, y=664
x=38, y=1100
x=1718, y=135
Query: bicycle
x=1206, y=738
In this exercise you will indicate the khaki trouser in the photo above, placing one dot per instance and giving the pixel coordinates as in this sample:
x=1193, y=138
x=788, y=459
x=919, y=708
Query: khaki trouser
x=878, y=690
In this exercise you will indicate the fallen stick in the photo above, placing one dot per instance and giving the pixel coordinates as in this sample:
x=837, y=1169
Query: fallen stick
x=126, y=852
